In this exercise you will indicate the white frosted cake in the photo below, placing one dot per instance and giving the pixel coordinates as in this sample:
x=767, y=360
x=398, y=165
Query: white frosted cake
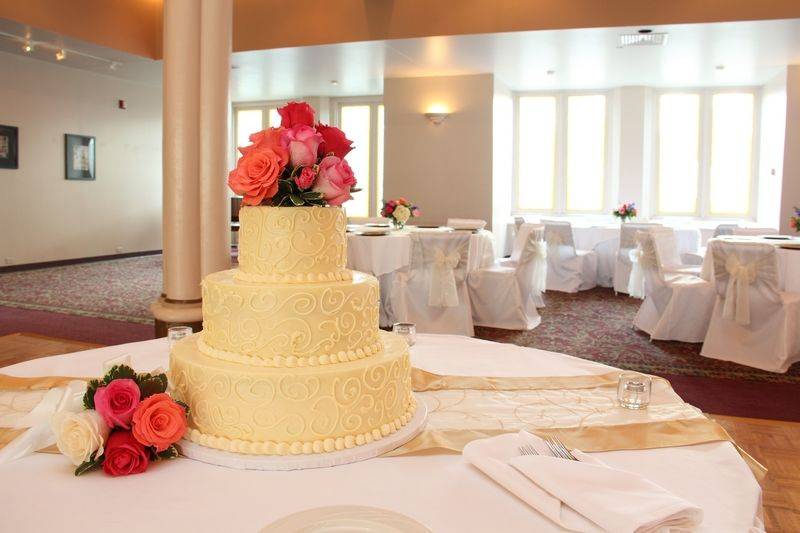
x=290, y=359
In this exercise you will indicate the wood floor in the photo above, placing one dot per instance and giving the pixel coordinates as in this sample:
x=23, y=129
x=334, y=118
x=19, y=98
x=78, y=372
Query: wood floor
x=776, y=445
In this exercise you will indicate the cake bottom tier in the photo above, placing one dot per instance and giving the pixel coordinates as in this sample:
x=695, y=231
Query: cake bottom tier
x=280, y=411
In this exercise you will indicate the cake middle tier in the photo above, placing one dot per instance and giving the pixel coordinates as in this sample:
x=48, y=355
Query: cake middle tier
x=289, y=325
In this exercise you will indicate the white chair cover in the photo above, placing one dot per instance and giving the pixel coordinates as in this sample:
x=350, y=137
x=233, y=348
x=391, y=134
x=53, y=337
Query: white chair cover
x=753, y=232
x=432, y=291
x=725, y=229
x=624, y=266
x=676, y=306
x=753, y=323
x=518, y=221
x=568, y=269
x=466, y=223
x=667, y=252
x=507, y=295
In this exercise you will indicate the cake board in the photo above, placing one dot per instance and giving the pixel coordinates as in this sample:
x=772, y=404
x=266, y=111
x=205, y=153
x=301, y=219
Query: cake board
x=240, y=461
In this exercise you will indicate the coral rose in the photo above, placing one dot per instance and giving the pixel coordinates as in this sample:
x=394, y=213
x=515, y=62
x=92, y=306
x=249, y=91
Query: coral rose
x=302, y=142
x=296, y=113
x=335, y=180
x=116, y=402
x=124, y=455
x=159, y=422
x=256, y=175
x=305, y=179
x=269, y=138
x=79, y=435
x=333, y=141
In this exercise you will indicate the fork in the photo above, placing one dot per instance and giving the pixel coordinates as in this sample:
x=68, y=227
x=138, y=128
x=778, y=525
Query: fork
x=558, y=449
x=527, y=449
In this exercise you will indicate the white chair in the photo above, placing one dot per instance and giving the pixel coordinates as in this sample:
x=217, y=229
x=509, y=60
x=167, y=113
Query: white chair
x=725, y=229
x=754, y=323
x=669, y=259
x=627, y=244
x=568, y=269
x=432, y=291
x=754, y=232
x=676, y=306
x=506, y=295
x=518, y=221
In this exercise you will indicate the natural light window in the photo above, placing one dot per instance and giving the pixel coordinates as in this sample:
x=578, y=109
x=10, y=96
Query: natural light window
x=731, y=154
x=379, y=159
x=355, y=122
x=678, y=153
x=537, y=153
x=586, y=149
x=248, y=121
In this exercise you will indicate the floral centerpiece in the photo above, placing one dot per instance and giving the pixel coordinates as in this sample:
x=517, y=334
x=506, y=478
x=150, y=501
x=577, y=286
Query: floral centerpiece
x=625, y=211
x=399, y=211
x=794, y=221
x=129, y=420
x=300, y=163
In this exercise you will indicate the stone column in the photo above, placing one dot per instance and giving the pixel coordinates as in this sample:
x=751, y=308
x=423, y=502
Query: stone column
x=216, y=28
x=180, y=302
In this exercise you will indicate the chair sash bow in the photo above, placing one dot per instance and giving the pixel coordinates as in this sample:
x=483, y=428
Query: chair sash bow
x=737, y=294
x=443, y=292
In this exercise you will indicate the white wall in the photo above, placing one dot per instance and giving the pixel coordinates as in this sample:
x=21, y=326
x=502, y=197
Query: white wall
x=445, y=169
x=790, y=193
x=631, y=160
x=45, y=217
x=771, y=150
x=502, y=159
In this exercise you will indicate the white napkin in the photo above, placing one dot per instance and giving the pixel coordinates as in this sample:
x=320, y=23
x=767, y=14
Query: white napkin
x=466, y=223
x=584, y=495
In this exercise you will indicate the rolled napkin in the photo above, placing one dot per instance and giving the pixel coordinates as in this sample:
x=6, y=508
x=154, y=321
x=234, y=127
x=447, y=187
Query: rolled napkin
x=584, y=495
x=466, y=223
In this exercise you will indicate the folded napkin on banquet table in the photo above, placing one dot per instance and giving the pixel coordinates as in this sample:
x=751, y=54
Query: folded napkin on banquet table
x=466, y=223
x=584, y=495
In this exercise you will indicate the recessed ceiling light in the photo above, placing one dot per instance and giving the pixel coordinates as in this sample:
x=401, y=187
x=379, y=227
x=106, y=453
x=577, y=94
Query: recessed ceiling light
x=720, y=67
x=234, y=67
x=60, y=55
x=334, y=82
x=551, y=72
x=645, y=31
x=642, y=38
x=27, y=47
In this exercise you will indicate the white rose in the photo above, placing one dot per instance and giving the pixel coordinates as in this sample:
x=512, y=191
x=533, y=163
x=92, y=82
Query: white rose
x=79, y=435
x=402, y=214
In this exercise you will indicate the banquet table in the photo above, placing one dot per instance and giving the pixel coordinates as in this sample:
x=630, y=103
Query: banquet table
x=444, y=492
x=604, y=240
x=787, y=252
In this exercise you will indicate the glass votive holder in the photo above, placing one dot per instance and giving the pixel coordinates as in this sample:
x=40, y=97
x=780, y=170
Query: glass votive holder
x=407, y=330
x=176, y=333
x=633, y=390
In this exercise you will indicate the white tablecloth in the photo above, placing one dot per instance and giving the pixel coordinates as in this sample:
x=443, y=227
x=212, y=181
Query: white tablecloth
x=39, y=493
x=379, y=255
x=788, y=263
x=604, y=240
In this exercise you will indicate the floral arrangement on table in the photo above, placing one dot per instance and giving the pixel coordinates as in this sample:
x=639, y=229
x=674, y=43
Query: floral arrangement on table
x=794, y=221
x=625, y=211
x=300, y=163
x=399, y=211
x=129, y=420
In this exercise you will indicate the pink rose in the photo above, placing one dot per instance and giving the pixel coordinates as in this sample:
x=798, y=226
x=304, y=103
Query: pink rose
x=333, y=141
x=124, y=455
x=305, y=179
x=335, y=180
x=302, y=142
x=296, y=113
x=117, y=401
x=415, y=212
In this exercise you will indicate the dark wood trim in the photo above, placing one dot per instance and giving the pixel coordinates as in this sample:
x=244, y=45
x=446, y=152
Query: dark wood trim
x=171, y=301
x=76, y=261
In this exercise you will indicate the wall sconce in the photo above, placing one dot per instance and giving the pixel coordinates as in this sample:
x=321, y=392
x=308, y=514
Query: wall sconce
x=436, y=114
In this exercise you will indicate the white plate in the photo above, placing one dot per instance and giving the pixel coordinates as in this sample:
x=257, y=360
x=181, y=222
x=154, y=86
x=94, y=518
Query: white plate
x=346, y=518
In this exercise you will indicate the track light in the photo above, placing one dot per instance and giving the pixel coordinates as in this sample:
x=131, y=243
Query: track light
x=27, y=47
x=60, y=55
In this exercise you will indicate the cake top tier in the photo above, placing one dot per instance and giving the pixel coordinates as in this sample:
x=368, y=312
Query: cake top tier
x=295, y=243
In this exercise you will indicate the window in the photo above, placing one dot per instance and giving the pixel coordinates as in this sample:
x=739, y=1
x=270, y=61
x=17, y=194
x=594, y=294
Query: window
x=561, y=161
x=249, y=119
x=362, y=122
x=704, y=156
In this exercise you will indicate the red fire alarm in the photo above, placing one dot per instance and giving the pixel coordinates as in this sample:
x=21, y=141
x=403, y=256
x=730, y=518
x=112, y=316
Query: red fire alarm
x=121, y=104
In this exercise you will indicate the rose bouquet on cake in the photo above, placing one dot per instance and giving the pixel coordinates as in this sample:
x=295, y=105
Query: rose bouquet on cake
x=399, y=211
x=794, y=221
x=625, y=211
x=299, y=163
x=129, y=420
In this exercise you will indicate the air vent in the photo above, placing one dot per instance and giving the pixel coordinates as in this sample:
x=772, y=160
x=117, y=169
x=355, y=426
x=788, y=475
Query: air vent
x=642, y=39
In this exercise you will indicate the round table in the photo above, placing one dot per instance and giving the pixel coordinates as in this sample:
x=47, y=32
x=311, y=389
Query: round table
x=444, y=492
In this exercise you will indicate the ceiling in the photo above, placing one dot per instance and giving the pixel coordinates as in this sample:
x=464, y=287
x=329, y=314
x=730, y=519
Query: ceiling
x=750, y=53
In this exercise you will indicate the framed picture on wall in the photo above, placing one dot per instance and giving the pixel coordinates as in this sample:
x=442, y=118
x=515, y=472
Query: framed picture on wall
x=9, y=147
x=79, y=157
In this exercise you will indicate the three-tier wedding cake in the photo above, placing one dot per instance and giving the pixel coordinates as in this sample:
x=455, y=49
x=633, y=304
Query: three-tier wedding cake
x=290, y=359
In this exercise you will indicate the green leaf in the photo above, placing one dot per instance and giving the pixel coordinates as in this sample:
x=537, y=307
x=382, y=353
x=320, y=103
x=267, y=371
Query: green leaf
x=185, y=406
x=91, y=464
x=284, y=187
x=91, y=388
x=355, y=189
x=312, y=195
x=169, y=453
x=151, y=384
x=296, y=199
x=119, y=372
